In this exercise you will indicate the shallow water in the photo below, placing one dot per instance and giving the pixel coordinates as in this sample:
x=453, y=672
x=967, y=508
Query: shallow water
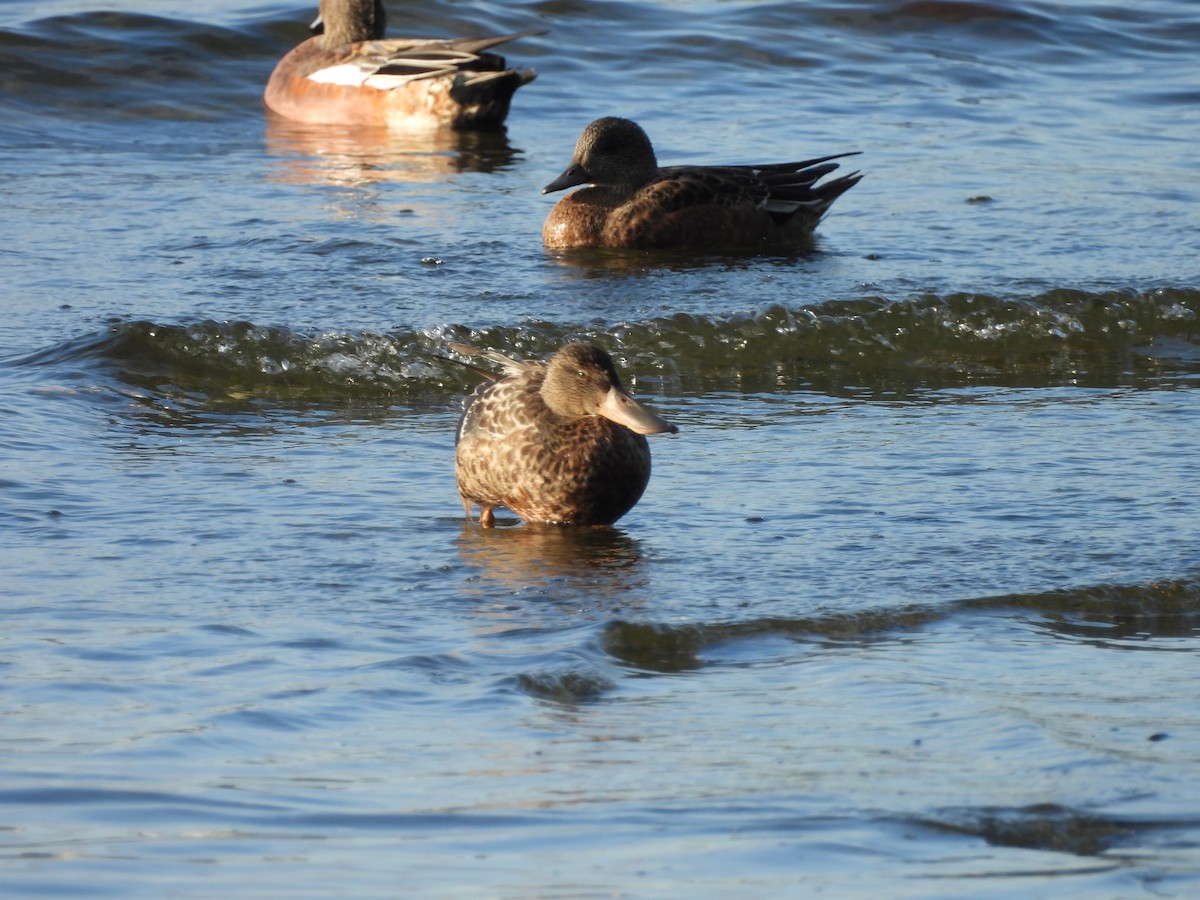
x=909, y=608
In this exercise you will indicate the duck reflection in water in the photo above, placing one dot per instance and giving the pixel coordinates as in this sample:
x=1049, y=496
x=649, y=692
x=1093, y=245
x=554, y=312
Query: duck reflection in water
x=595, y=567
x=353, y=155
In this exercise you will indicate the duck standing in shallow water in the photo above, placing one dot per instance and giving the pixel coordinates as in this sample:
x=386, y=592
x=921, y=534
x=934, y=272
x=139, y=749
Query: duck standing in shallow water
x=560, y=443
x=348, y=75
x=634, y=203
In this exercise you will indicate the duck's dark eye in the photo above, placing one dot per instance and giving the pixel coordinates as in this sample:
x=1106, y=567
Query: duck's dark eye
x=581, y=373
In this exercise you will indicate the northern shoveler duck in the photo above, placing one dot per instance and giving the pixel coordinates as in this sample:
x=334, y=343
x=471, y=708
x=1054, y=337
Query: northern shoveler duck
x=348, y=75
x=561, y=443
x=634, y=203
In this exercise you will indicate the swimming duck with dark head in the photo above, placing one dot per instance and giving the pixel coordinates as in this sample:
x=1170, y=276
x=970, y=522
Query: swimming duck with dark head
x=633, y=202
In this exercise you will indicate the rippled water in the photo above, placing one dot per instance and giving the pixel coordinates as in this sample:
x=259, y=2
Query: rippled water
x=909, y=608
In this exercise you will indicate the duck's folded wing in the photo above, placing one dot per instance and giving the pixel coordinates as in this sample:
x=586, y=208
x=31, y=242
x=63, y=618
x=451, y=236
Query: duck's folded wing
x=793, y=185
x=776, y=188
x=680, y=187
x=391, y=63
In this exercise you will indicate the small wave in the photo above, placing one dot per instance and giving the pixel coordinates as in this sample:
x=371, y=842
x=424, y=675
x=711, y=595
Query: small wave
x=236, y=360
x=867, y=347
x=1161, y=609
x=1055, y=828
x=132, y=66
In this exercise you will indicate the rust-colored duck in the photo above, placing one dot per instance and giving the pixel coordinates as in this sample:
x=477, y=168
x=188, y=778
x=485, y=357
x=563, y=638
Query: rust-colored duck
x=348, y=74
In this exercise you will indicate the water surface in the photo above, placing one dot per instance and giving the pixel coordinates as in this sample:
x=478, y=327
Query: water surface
x=908, y=609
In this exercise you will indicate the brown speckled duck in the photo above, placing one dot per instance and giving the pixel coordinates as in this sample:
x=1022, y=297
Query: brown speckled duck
x=560, y=443
x=634, y=203
x=348, y=75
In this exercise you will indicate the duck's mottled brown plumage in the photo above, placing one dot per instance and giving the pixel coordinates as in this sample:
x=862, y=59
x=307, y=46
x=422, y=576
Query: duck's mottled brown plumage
x=350, y=75
x=634, y=203
x=553, y=441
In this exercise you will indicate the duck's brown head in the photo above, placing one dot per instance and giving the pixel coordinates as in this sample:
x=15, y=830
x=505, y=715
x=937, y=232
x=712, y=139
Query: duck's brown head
x=611, y=153
x=581, y=380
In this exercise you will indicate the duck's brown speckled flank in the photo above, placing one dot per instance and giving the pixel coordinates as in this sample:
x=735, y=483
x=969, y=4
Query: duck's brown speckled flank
x=558, y=443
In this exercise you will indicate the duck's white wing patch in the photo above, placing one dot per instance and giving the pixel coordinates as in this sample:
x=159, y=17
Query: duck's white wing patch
x=347, y=75
x=361, y=75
